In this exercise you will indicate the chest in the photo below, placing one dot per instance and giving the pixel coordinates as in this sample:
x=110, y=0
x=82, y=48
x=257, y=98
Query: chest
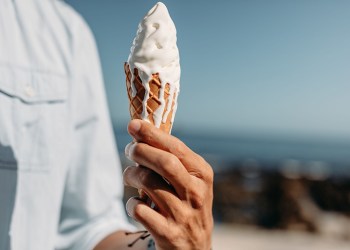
x=33, y=118
x=35, y=59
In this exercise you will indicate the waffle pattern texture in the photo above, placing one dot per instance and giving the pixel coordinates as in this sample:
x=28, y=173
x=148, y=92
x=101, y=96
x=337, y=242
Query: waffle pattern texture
x=153, y=101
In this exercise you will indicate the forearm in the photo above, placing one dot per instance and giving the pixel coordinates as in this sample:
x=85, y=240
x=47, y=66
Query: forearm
x=124, y=241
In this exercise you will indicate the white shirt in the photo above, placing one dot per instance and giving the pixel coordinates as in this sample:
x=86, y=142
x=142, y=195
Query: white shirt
x=60, y=177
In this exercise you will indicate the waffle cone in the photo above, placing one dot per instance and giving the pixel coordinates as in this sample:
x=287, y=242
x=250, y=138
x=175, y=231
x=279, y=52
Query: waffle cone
x=153, y=101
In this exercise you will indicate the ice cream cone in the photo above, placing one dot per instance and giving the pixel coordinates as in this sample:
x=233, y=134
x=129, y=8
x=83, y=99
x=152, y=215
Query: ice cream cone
x=152, y=101
x=153, y=73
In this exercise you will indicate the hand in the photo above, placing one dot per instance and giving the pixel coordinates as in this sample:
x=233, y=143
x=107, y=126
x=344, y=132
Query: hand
x=178, y=181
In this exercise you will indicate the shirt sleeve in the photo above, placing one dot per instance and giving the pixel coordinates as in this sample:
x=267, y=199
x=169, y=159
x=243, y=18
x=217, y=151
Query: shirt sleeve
x=92, y=206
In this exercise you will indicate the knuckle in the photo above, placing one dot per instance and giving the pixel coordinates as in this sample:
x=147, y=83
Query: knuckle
x=162, y=233
x=192, y=229
x=169, y=163
x=171, y=166
x=196, y=197
x=184, y=216
x=207, y=170
x=209, y=175
x=172, y=162
x=174, y=236
x=179, y=148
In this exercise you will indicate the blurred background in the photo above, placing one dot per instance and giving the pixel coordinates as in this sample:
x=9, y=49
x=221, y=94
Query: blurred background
x=265, y=97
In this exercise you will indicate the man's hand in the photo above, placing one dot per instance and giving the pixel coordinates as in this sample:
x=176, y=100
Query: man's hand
x=178, y=181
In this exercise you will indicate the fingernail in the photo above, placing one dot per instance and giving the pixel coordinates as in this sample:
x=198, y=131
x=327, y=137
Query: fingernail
x=127, y=207
x=130, y=205
x=134, y=126
x=124, y=176
x=128, y=150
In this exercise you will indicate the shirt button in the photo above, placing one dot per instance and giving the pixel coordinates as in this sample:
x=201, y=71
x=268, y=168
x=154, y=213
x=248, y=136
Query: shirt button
x=29, y=91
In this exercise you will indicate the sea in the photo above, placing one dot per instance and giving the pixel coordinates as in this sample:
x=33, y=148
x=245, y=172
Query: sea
x=229, y=151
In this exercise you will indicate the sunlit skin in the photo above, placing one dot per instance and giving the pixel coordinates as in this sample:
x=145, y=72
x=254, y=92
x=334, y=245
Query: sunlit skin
x=183, y=215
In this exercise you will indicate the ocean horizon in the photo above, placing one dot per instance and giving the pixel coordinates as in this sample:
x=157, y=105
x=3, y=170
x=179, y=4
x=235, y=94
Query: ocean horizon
x=224, y=152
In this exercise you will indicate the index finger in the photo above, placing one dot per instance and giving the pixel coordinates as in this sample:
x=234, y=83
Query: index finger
x=147, y=133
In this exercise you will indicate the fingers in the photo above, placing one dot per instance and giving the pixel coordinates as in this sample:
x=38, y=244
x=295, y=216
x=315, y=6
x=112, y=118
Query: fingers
x=187, y=187
x=161, y=193
x=161, y=162
x=145, y=132
x=154, y=222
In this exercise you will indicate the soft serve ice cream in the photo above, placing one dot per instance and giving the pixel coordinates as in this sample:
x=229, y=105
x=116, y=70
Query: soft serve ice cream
x=154, y=57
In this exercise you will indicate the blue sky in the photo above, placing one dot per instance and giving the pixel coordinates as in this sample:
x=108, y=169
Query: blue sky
x=262, y=67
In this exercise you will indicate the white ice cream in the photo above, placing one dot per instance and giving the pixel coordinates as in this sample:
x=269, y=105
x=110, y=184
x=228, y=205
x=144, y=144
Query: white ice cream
x=154, y=50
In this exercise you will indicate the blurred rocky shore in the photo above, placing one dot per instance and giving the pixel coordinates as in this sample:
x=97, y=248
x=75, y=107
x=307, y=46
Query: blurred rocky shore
x=284, y=198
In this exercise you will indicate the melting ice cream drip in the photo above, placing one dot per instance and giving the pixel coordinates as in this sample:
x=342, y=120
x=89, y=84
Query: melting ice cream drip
x=154, y=50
